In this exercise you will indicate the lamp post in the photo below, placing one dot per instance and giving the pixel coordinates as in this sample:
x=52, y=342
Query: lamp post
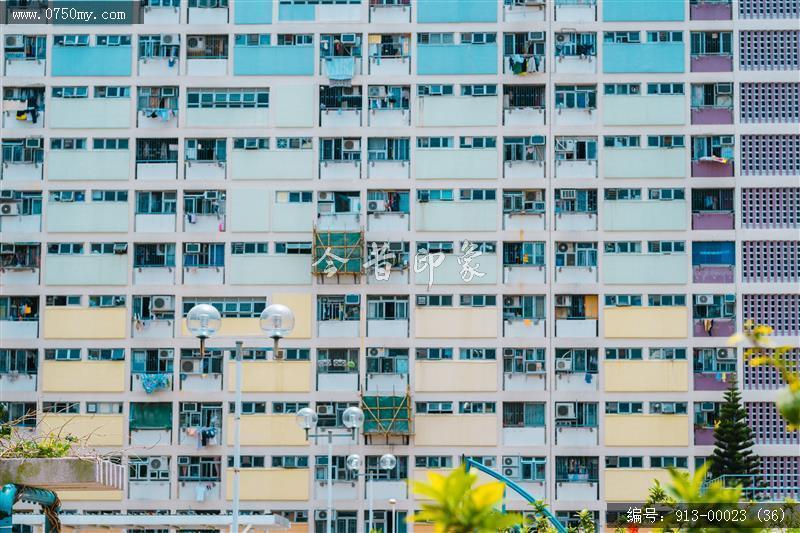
x=393, y=503
x=203, y=321
x=353, y=419
x=387, y=462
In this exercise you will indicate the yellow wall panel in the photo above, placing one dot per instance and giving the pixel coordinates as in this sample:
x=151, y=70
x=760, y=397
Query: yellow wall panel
x=645, y=376
x=300, y=304
x=91, y=430
x=455, y=430
x=646, y=430
x=84, y=323
x=83, y=376
x=281, y=484
x=632, y=484
x=90, y=495
x=272, y=376
x=646, y=322
x=455, y=376
x=267, y=430
x=456, y=323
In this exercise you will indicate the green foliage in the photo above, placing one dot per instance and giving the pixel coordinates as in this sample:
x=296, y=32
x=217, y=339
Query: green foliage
x=47, y=448
x=733, y=440
x=455, y=506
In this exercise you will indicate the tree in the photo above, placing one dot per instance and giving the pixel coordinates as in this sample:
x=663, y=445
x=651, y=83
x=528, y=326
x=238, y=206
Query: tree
x=733, y=439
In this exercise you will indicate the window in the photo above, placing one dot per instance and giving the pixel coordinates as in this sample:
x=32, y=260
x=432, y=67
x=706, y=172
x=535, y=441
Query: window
x=524, y=414
x=478, y=38
x=435, y=38
x=666, y=194
x=472, y=408
x=67, y=144
x=62, y=354
x=666, y=247
x=525, y=307
x=65, y=248
x=627, y=354
x=433, y=247
x=71, y=40
x=287, y=408
x=478, y=90
x=62, y=301
x=109, y=196
x=293, y=197
x=290, y=461
x=110, y=144
x=108, y=248
x=249, y=408
x=524, y=149
x=665, y=141
x=19, y=361
x=295, y=39
x=203, y=255
x=577, y=254
x=293, y=248
x=227, y=98
x=113, y=40
x=477, y=354
x=105, y=91
x=666, y=300
x=624, y=408
x=105, y=354
x=434, y=300
x=196, y=468
x=434, y=354
x=152, y=361
x=338, y=307
x=576, y=149
x=668, y=408
x=523, y=360
x=21, y=414
x=576, y=96
x=337, y=361
x=434, y=408
x=387, y=361
x=435, y=195
x=477, y=142
x=156, y=202
x=330, y=413
x=624, y=461
x=622, y=88
x=623, y=300
x=104, y=408
x=61, y=407
x=710, y=147
x=433, y=461
x=248, y=461
x=230, y=307
x=623, y=194
x=252, y=39
x=387, y=308
x=477, y=194
x=667, y=353
x=434, y=90
x=249, y=248
x=711, y=43
x=621, y=141
x=664, y=36
x=293, y=143
x=621, y=37
x=664, y=88
x=107, y=301
x=434, y=142
x=669, y=461
x=478, y=300
x=340, y=472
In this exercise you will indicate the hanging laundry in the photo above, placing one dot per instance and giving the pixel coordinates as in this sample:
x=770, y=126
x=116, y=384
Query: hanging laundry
x=341, y=70
x=152, y=382
x=516, y=64
x=708, y=325
x=200, y=492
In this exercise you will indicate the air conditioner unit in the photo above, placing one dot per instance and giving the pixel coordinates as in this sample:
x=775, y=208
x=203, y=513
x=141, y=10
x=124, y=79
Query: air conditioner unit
x=533, y=367
x=352, y=299
x=563, y=365
x=565, y=411
x=703, y=299
x=324, y=409
x=567, y=145
x=508, y=351
x=9, y=209
x=324, y=196
x=157, y=463
x=196, y=44
x=320, y=515
x=164, y=353
x=67, y=196
x=120, y=248
x=189, y=366
x=724, y=88
x=348, y=38
x=567, y=194
x=563, y=300
x=6, y=194
x=726, y=139
x=377, y=91
x=162, y=303
x=325, y=208
x=726, y=354
x=192, y=247
x=560, y=38
x=509, y=300
x=376, y=205
x=34, y=142
x=374, y=352
x=15, y=41
x=168, y=91
x=707, y=406
x=351, y=145
x=170, y=38
x=511, y=472
x=538, y=206
x=510, y=461
x=184, y=459
x=91, y=407
x=211, y=195
x=6, y=248
x=729, y=298
x=612, y=461
x=536, y=36
x=251, y=144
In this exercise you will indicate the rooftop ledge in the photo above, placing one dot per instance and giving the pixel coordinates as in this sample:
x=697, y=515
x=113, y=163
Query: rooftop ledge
x=64, y=473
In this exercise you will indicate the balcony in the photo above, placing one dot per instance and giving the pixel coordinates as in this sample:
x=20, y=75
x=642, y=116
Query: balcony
x=714, y=327
x=13, y=383
x=149, y=490
x=576, y=274
x=269, y=270
x=574, y=116
x=712, y=220
x=583, y=169
x=338, y=328
x=712, y=63
x=524, y=11
x=105, y=269
x=646, y=430
x=272, y=164
x=211, y=492
x=621, y=58
x=447, y=111
x=524, y=170
x=154, y=223
x=340, y=118
x=272, y=376
x=80, y=61
x=578, y=436
x=710, y=10
x=712, y=168
x=159, y=66
x=90, y=113
x=712, y=115
x=647, y=110
x=632, y=484
x=273, y=60
x=575, y=221
x=457, y=59
x=87, y=165
x=526, y=328
x=525, y=436
x=390, y=13
x=713, y=381
x=645, y=269
x=524, y=274
x=646, y=376
x=387, y=328
x=208, y=15
x=579, y=328
x=204, y=275
x=340, y=169
x=267, y=430
x=388, y=221
x=83, y=376
x=454, y=323
x=645, y=163
x=635, y=11
x=455, y=431
x=204, y=170
x=249, y=327
x=532, y=221
x=576, y=11
x=155, y=328
x=713, y=273
x=85, y=323
x=456, y=216
x=455, y=376
x=91, y=430
x=646, y=322
x=463, y=11
x=24, y=114
x=638, y=215
x=456, y=164
x=319, y=12
x=449, y=271
x=275, y=484
x=19, y=329
x=87, y=217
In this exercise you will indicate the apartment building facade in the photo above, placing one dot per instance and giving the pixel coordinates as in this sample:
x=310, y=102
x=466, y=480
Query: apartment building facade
x=516, y=231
